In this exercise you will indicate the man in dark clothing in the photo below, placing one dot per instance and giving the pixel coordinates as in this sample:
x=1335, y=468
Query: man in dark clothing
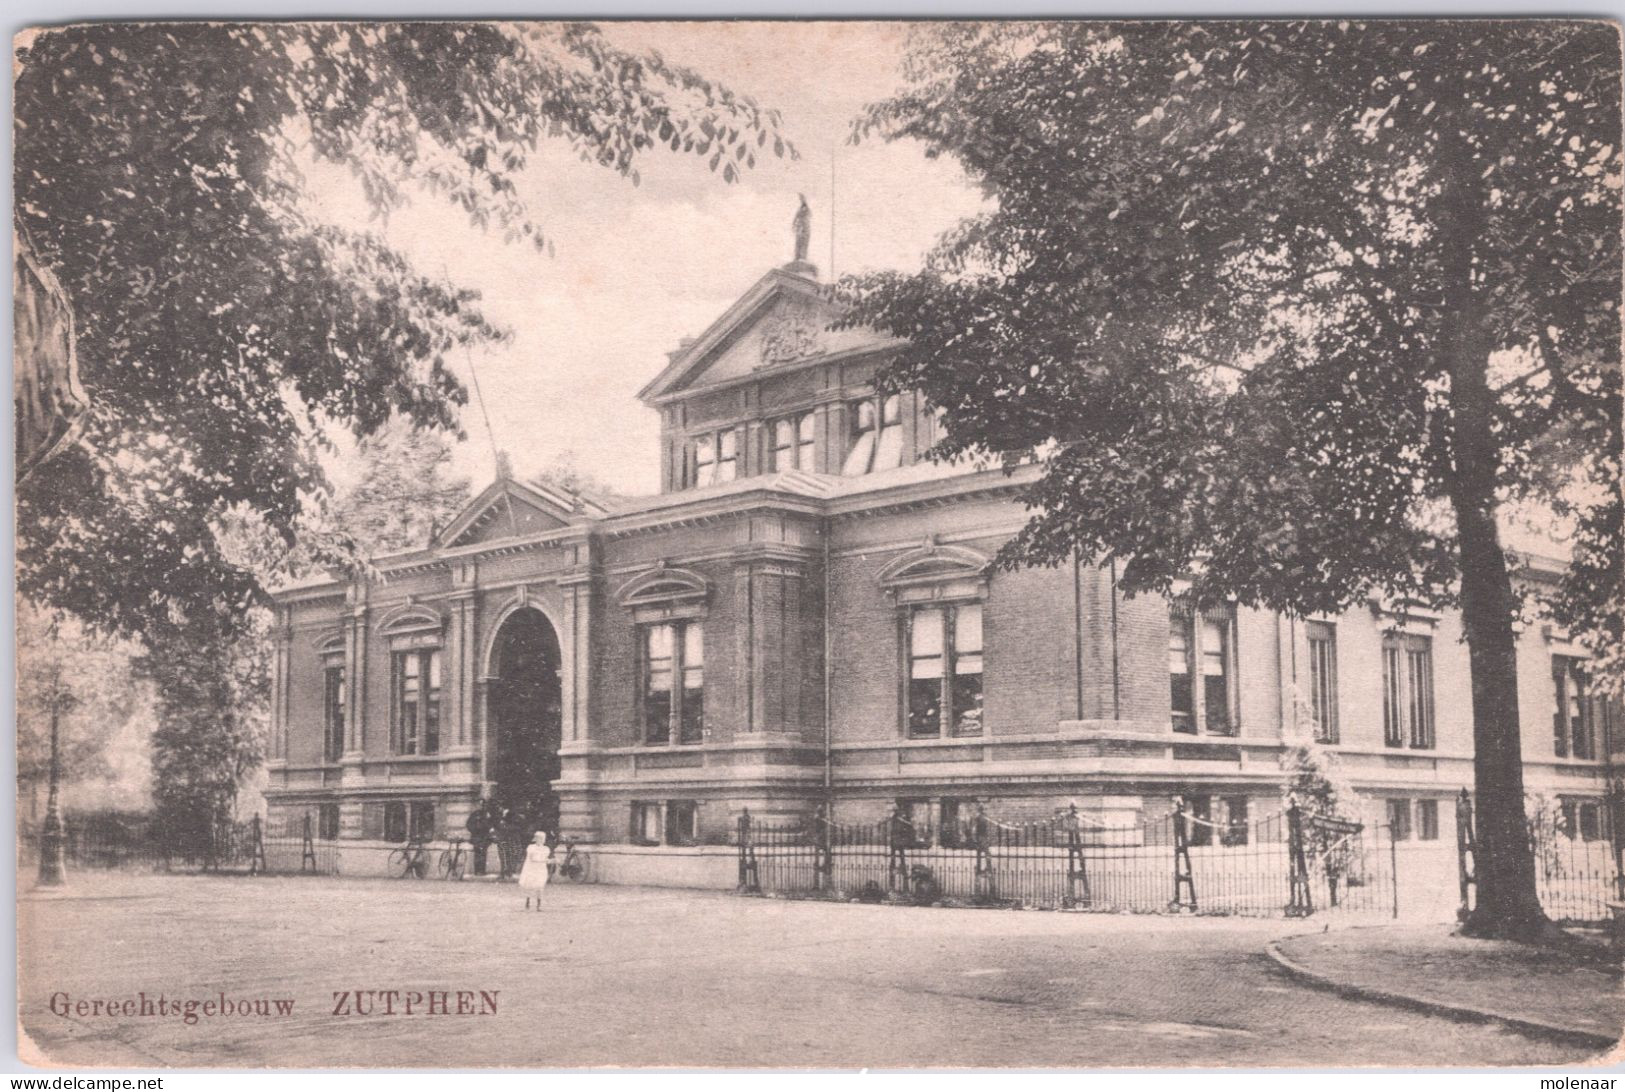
x=509, y=848
x=481, y=831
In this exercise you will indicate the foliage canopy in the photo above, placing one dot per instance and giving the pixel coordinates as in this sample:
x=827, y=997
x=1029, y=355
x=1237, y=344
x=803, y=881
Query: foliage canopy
x=1293, y=310
x=1231, y=274
x=221, y=328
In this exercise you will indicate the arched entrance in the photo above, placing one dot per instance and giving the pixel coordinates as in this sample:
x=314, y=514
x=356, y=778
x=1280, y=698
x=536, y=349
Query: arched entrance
x=526, y=719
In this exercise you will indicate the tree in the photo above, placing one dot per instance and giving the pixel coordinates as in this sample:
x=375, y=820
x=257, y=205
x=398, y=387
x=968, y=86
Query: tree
x=213, y=685
x=220, y=329
x=88, y=681
x=1293, y=309
x=404, y=493
x=1314, y=779
x=567, y=473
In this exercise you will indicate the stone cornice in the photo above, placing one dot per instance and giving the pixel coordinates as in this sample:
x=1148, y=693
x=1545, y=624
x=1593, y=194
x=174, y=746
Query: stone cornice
x=937, y=492
x=807, y=363
x=934, y=492
x=574, y=535
x=710, y=510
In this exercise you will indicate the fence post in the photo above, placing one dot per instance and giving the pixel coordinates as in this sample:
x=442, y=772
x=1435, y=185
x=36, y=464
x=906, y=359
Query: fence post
x=1464, y=852
x=824, y=866
x=983, y=876
x=749, y=876
x=1300, y=903
x=256, y=862
x=1612, y=811
x=308, y=856
x=1077, y=870
x=1393, y=867
x=1182, y=860
x=896, y=850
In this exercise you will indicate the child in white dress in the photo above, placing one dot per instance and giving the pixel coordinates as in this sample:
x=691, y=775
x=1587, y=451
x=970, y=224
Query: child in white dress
x=533, y=877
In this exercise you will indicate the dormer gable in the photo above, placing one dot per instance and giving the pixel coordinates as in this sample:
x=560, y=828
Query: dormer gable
x=782, y=321
x=514, y=509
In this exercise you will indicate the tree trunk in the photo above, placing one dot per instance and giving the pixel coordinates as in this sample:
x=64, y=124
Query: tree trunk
x=1503, y=860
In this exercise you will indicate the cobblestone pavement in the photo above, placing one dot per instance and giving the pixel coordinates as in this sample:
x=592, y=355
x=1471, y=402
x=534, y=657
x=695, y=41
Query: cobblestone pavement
x=643, y=976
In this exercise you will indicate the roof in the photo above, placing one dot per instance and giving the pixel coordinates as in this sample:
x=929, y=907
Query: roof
x=685, y=360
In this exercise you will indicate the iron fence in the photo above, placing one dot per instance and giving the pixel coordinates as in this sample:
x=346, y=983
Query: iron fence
x=143, y=844
x=1579, y=869
x=1285, y=863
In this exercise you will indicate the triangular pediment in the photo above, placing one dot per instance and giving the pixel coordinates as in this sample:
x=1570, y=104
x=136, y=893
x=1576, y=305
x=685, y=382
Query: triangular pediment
x=510, y=509
x=783, y=320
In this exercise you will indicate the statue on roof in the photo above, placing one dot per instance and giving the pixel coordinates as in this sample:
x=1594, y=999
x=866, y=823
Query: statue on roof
x=802, y=226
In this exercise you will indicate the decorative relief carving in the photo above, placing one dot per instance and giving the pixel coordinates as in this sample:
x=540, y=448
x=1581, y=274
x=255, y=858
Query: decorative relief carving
x=789, y=337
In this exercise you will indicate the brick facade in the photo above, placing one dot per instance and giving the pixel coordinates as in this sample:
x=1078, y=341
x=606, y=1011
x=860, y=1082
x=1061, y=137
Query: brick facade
x=801, y=581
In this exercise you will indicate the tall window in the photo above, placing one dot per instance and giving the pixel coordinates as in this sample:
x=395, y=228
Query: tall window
x=793, y=445
x=395, y=821
x=408, y=820
x=1221, y=820
x=682, y=822
x=1427, y=820
x=420, y=818
x=716, y=457
x=416, y=677
x=806, y=442
x=1583, y=819
x=1182, y=696
x=1571, y=725
x=673, y=688
x=1323, y=681
x=889, y=448
x=1215, y=675
x=1393, y=695
x=705, y=460
x=945, y=671
x=646, y=825
x=1200, y=646
x=327, y=822
x=877, y=436
x=727, y=455
x=1407, y=691
x=691, y=714
x=860, y=455
x=1199, y=828
x=1399, y=820
x=333, y=712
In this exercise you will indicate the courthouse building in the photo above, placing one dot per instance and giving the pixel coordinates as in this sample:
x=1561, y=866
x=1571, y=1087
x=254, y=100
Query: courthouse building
x=806, y=611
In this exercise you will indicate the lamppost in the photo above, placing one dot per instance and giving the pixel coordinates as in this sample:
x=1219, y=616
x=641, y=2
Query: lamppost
x=52, y=872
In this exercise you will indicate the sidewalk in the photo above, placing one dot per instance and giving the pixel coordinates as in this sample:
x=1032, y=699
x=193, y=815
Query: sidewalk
x=1535, y=990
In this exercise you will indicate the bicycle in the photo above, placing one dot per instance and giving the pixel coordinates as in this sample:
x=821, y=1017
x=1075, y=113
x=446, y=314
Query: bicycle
x=453, y=861
x=411, y=860
x=573, y=866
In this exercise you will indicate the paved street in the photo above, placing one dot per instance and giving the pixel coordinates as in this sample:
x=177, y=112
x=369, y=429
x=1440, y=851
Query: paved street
x=642, y=976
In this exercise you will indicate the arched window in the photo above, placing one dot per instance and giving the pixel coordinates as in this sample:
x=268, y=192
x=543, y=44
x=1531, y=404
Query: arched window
x=415, y=635
x=335, y=697
x=940, y=592
x=668, y=608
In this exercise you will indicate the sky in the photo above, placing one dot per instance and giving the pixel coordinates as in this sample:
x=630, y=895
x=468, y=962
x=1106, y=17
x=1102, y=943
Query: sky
x=636, y=268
